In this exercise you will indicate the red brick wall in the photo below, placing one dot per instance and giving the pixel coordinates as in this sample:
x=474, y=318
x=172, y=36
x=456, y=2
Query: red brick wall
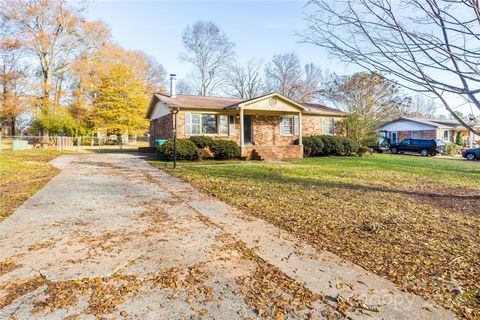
x=312, y=126
x=161, y=128
x=266, y=132
x=272, y=152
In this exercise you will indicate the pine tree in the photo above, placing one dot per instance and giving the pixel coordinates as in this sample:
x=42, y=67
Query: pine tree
x=459, y=139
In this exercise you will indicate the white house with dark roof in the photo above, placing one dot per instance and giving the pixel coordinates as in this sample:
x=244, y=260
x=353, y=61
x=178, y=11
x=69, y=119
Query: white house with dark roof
x=418, y=128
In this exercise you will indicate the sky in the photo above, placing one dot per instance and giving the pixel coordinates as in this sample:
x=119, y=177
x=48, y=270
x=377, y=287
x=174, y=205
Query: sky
x=259, y=30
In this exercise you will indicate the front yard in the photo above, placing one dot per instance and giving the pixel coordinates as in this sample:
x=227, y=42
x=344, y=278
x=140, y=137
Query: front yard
x=22, y=173
x=413, y=220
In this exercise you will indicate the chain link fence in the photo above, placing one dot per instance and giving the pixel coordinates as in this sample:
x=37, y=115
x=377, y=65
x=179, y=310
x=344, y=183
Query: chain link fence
x=81, y=143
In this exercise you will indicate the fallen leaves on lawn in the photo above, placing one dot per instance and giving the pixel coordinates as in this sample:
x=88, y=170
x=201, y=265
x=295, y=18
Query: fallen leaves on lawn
x=364, y=215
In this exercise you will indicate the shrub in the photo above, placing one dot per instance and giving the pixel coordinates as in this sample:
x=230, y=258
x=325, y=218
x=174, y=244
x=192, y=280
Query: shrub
x=201, y=141
x=332, y=145
x=362, y=150
x=349, y=146
x=312, y=146
x=186, y=150
x=451, y=149
x=225, y=149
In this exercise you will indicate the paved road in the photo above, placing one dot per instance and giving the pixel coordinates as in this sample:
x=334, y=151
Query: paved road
x=113, y=237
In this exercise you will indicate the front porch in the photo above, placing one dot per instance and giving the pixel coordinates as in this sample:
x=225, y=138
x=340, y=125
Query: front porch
x=270, y=129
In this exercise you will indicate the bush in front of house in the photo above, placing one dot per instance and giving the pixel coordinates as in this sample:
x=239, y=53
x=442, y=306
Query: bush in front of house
x=225, y=149
x=202, y=141
x=451, y=149
x=332, y=145
x=324, y=145
x=186, y=150
x=312, y=146
x=349, y=146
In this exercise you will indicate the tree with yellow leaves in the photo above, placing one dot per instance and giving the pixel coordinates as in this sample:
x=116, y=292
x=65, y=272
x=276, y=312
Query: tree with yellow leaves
x=121, y=99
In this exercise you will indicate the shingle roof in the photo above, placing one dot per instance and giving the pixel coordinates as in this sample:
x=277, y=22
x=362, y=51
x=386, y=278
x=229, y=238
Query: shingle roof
x=187, y=101
x=314, y=108
x=437, y=123
x=220, y=103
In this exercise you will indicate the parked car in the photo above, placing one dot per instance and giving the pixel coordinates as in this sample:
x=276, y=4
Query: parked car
x=471, y=154
x=426, y=147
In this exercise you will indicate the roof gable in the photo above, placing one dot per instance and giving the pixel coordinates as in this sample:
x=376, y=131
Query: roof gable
x=268, y=102
x=271, y=102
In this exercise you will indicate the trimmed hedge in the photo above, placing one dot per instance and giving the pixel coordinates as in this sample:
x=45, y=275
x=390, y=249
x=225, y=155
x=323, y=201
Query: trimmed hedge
x=202, y=141
x=325, y=145
x=186, y=150
x=225, y=149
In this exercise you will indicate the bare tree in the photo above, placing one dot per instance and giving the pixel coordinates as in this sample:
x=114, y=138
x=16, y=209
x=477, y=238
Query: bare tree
x=425, y=45
x=210, y=51
x=184, y=87
x=419, y=106
x=245, y=81
x=369, y=99
x=284, y=75
x=49, y=29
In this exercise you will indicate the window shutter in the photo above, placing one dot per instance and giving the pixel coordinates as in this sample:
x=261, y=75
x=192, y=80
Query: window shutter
x=231, y=126
x=281, y=125
x=188, y=123
x=295, y=125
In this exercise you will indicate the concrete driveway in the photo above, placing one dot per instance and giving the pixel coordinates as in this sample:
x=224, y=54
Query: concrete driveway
x=113, y=237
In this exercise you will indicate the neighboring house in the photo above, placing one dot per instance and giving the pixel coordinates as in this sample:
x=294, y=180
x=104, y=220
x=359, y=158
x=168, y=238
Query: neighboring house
x=416, y=128
x=264, y=127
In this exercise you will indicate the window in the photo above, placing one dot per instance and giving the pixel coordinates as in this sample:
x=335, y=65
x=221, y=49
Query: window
x=200, y=124
x=328, y=126
x=223, y=125
x=192, y=123
x=231, y=127
x=209, y=124
x=405, y=142
x=286, y=125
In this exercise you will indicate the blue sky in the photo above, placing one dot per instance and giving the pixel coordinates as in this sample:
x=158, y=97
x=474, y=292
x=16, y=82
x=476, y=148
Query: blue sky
x=259, y=29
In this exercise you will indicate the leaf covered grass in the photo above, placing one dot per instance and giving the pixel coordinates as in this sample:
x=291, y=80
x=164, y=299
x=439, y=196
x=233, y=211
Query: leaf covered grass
x=22, y=173
x=415, y=221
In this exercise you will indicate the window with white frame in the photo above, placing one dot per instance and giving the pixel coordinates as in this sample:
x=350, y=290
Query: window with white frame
x=205, y=124
x=286, y=126
x=231, y=126
x=328, y=125
x=223, y=125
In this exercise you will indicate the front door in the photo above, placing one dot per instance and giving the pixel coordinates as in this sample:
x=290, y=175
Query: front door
x=393, y=137
x=247, y=129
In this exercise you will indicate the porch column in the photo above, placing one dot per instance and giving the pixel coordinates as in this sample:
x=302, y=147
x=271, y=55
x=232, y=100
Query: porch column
x=241, y=130
x=300, y=141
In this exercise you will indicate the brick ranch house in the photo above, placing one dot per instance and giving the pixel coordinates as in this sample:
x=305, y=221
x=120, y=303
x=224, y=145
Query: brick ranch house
x=264, y=127
x=416, y=128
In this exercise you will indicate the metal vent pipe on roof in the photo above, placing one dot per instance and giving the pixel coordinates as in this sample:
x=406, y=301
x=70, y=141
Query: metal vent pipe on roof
x=173, y=83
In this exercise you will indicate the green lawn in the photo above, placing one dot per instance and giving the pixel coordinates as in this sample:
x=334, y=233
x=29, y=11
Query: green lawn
x=22, y=173
x=413, y=220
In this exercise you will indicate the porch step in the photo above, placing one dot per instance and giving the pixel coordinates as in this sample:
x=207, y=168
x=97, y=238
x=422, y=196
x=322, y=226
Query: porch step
x=266, y=155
